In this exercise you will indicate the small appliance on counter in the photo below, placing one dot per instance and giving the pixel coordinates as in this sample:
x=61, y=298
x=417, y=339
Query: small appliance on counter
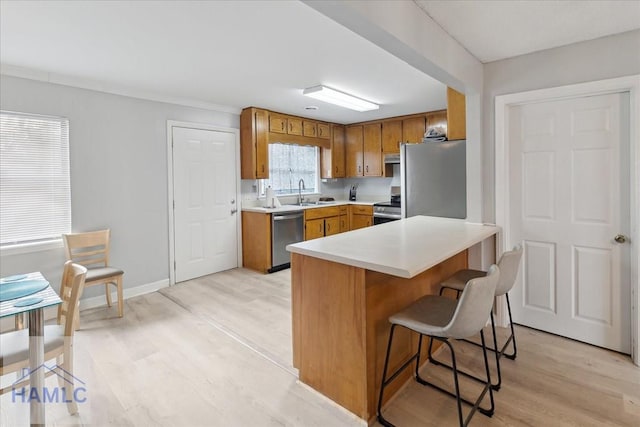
x=352, y=193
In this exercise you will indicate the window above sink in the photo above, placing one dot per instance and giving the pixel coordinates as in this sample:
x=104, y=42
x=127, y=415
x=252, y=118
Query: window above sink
x=288, y=163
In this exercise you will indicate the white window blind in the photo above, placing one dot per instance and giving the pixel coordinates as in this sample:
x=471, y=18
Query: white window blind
x=289, y=163
x=35, y=192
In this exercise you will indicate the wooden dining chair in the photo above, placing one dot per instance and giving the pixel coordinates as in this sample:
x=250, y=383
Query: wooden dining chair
x=91, y=249
x=58, y=339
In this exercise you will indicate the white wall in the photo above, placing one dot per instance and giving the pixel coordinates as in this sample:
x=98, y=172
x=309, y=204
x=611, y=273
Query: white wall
x=118, y=155
x=604, y=58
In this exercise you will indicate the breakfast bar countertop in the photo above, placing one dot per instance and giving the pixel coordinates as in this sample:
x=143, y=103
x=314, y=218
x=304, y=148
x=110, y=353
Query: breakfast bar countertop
x=403, y=248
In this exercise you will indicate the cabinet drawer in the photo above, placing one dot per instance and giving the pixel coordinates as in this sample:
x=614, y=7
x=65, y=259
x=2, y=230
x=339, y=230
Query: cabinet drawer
x=322, y=212
x=343, y=209
x=362, y=210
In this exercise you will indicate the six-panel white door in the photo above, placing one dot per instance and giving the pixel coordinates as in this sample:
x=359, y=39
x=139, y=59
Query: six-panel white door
x=204, y=192
x=569, y=198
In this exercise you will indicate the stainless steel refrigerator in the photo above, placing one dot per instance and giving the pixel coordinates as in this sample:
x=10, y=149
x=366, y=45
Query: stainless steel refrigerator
x=434, y=179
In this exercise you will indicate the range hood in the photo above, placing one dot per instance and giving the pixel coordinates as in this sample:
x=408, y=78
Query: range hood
x=392, y=159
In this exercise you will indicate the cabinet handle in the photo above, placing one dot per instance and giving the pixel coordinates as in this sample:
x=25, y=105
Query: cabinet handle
x=282, y=126
x=328, y=227
x=262, y=168
x=320, y=227
x=367, y=168
x=336, y=169
x=290, y=127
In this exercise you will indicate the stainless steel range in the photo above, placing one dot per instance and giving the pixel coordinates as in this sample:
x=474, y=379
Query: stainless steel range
x=387, y=211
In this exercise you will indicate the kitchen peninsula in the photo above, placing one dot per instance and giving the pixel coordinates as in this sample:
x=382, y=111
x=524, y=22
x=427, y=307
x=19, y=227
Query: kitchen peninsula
x=344, y=288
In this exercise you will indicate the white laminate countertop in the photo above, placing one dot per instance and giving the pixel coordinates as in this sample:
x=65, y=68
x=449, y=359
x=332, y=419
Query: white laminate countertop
x=403, y=248
x=292, y=208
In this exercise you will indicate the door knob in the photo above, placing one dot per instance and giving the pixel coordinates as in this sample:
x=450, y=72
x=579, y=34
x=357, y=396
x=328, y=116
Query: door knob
x=233, y=211
x=620, y=238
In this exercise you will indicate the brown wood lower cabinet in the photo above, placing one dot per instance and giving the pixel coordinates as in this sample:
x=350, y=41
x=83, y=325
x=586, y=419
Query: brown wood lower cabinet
x=344, y=219
x=361, y=216
x=256, y=241
x=320, y=222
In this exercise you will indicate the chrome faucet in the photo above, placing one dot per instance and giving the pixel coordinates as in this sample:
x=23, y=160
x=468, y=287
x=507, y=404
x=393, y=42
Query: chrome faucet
x=300, y=188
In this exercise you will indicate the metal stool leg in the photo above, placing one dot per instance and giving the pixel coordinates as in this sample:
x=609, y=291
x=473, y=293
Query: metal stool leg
x=512, y=338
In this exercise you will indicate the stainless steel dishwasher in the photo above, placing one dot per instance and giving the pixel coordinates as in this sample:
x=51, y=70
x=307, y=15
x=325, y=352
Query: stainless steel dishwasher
x=286, y=228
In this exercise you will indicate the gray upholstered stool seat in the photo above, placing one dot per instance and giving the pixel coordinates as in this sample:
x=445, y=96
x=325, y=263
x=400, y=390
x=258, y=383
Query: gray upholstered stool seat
x=442, y=318
x=509, y=265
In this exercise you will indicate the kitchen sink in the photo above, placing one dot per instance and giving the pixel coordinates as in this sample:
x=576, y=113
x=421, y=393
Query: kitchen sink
x=318, y=203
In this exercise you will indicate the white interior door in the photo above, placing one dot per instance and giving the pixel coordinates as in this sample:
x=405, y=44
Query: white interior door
x=569, y=198
x=204, y=191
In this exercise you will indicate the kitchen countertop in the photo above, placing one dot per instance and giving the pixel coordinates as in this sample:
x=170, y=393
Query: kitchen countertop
x=403, y=248
x=291, y=208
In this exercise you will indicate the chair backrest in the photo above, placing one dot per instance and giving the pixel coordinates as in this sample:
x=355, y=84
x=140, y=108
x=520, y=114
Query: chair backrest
x=474, y=305
x=71, y=289
x=509, y=264
x=90, y=249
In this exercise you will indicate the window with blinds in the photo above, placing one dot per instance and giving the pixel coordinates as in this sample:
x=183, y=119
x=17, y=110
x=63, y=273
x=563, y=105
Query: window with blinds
x=35, y=191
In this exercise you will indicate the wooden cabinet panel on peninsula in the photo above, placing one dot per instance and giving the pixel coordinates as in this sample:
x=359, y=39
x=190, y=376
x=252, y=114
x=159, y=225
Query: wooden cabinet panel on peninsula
x=332, y=159
x=254, y=143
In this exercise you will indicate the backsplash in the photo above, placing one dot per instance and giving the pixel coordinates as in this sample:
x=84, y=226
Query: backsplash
x=369, y=189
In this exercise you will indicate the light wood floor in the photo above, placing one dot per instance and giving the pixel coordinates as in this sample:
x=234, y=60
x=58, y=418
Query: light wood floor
x=217, y=351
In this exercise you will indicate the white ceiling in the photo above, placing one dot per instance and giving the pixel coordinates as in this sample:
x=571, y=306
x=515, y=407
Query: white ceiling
x=496, y=29
x=264, y=53
x=236, y=54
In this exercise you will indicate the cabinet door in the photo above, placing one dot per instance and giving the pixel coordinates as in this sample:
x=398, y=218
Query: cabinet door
x=277, y=123
x=354, y=151
x=295, y=126
x=391, y=136
x=361, y=221
x=324, y=131
x=337, y=152
x=437, y=118
x=344, y=222
x=372, y=149
x=313, y=228
x=309, y=129
x=261, y=120
x=413, y=129
x=456, y=115
x=331, y=225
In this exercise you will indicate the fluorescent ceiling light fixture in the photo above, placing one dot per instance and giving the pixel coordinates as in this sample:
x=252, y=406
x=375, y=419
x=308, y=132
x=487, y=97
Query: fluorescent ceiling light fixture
x=342, y=99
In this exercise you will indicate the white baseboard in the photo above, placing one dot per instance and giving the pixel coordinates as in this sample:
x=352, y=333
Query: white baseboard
x=101, y=300
x=7, y=323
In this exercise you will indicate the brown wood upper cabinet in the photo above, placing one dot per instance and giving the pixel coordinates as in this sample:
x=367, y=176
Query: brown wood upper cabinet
x=354, y=145
x=364, y=150
x=456, y=115
x=309, y=129
x=372, y=151
x=277, y=123
x=324, y=131
x=295, y=126
x=254, y=143
x=391, y=136
x=413, y=129
x=333, y=165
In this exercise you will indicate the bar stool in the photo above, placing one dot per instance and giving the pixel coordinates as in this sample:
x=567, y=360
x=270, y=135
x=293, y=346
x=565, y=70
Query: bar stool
x=509, y=264
x=442, y=318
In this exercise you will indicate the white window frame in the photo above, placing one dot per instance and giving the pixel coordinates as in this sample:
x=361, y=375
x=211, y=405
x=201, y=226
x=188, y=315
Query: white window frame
x=64, y=186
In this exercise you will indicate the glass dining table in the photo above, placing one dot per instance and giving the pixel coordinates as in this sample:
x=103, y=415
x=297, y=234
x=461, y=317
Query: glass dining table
x=30, y=294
